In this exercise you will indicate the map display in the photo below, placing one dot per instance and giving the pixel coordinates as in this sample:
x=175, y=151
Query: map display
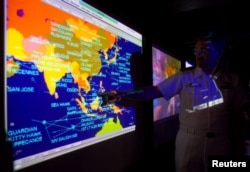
x=56, y=64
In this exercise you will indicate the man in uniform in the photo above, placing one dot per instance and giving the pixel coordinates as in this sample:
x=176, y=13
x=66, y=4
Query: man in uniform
x=211, y=106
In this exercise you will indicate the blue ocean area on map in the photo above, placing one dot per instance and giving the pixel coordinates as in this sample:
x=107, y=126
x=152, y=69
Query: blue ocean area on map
x=39, y=121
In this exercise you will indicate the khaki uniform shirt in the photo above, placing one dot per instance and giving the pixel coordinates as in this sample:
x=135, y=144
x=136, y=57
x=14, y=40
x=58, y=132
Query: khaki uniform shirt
x=208, y=104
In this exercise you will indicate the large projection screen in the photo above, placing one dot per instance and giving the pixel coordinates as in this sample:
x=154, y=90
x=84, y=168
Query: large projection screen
x=59, y=55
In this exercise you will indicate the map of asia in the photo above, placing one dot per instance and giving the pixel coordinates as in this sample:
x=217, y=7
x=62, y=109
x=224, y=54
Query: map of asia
x=56, y=64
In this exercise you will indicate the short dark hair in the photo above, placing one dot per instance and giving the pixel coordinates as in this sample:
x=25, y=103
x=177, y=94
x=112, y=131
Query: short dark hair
x=217, y=38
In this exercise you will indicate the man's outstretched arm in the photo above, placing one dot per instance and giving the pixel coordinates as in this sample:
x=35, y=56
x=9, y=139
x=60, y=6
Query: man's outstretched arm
x=146, y=93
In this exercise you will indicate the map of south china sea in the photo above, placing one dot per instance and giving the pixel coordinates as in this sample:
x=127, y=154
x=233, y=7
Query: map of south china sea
x=56, y=64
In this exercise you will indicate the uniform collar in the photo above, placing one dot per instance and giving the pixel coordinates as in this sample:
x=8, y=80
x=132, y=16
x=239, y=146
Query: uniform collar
x=199, y=73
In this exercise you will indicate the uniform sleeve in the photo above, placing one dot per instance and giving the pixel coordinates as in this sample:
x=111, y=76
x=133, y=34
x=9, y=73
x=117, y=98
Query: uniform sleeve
x=171, y=86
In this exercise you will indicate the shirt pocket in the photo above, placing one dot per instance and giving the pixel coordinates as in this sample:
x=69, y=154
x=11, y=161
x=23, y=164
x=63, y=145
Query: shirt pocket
x=187, y=97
